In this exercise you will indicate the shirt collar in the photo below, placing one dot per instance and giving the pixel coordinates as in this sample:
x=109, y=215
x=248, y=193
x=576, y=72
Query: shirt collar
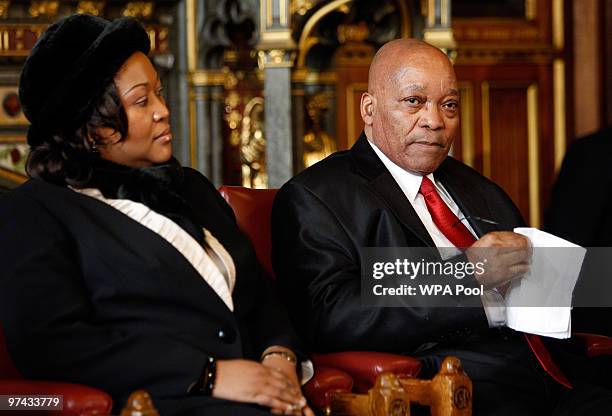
x=409, y=182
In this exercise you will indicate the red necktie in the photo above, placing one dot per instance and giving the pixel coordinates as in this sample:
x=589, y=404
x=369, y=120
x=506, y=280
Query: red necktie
x=443, y=217
x=460, y=236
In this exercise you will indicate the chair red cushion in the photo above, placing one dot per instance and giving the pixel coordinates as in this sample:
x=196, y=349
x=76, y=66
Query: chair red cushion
x=596, y=345
x=364, y=366
x=253, y=208
x=78, y=400
x=325, y=382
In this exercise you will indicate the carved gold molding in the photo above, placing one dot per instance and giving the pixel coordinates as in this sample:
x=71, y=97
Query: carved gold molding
x=275, y=58
x=559, y=107
x=192, y=38
x=252, y=143
x=430, y=6
x=444, y=13
x=304, y=44
x=43, y=8
x=15, y=177
x=533, y=155
x=441, y=38
x=466, y=106
x=559, y=111
x=495, y=33
x=4, y=8
x=501, y=53
x=138, y=9
x=531, y=9
x=486, y=129
x=304, y=76
x=274, y=33
x=307, y=40
x=193, y=140
x=94, y=8
x=203, y=78
x=558, y=25
x=350, y=110
x=301, y=7
x=353, y=33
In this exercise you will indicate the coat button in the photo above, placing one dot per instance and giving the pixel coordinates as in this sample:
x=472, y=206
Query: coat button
x=226, y=335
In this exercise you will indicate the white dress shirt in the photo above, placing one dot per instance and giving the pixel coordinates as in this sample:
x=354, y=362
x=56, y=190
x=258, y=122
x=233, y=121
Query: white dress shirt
x=410, y=183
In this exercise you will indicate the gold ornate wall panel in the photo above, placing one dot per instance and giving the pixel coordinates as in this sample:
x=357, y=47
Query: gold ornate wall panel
x=513, y=70
x=336, y=42
x=485, y=21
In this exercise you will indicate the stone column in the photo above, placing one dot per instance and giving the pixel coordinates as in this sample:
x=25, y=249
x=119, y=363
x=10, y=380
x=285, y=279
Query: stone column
x=276, y=56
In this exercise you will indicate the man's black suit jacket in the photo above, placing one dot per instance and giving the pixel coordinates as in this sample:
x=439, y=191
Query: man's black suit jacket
x=323, y=216
x=580, y=208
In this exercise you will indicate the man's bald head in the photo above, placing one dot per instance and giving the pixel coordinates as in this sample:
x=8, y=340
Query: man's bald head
x=393, y=57
x=411, y=108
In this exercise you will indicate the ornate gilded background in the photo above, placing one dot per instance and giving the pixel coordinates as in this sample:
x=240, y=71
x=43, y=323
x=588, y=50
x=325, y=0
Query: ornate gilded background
x=261, y=89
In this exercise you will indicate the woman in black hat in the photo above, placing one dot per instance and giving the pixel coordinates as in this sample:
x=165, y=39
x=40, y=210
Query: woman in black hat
x=121, y=269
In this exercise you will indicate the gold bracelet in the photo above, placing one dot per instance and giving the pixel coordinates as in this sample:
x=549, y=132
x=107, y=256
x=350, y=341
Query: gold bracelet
x=286, y=355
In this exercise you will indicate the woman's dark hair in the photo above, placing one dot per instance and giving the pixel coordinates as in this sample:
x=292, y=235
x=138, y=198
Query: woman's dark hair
x=67, y=158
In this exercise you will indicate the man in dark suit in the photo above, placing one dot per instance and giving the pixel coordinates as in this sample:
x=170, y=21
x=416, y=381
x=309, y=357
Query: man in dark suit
x=580, y=211
x=585, y=172
x=396, y=187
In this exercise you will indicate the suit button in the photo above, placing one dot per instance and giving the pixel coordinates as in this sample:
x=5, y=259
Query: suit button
x=226, y=335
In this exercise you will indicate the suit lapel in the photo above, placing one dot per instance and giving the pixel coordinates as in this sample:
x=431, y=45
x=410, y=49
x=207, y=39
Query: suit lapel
x=470, y=201
x=170, y=260
x=383, y=184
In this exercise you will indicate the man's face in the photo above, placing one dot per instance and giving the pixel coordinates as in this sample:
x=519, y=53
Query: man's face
x=415, y=112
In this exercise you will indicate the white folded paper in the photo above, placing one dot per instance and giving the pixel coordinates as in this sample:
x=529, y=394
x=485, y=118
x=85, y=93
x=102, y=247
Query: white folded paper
x=549, y=283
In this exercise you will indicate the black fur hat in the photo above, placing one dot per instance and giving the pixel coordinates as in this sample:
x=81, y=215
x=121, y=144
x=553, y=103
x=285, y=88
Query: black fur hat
x=70, y=66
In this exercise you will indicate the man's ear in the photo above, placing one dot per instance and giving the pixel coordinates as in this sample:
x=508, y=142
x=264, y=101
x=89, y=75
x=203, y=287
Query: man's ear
x=368, y=102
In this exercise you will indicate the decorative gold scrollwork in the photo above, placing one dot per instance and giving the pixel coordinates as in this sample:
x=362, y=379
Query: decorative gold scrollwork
x=43, y=8
x=138, y=9
x=301, y=7
x=398, y=407
x=461, y=398
x=253, y=145
x=94, y=8
x=317, y=143
x=353, y=33
x=279, y=58
x=4, y=8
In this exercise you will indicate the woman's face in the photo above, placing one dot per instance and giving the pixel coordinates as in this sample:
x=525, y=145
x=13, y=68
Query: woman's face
x=149, y=138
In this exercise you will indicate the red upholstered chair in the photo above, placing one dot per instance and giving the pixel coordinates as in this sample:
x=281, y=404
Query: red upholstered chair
x=253, y=208
x=77, y=400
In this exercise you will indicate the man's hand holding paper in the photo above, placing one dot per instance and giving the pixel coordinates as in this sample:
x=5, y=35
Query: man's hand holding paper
x=506, y=254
